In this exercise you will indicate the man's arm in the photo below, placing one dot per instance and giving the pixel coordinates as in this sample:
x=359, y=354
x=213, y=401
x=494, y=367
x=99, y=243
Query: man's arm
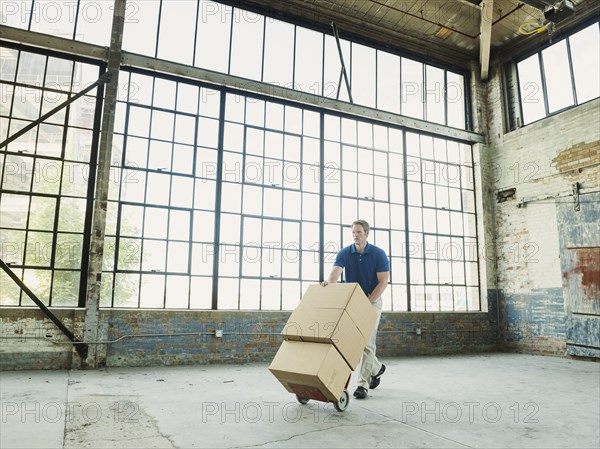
x=333, y=277
x=382, y=278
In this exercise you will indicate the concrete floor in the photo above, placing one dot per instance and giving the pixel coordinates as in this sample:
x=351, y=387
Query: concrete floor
x=483, y=401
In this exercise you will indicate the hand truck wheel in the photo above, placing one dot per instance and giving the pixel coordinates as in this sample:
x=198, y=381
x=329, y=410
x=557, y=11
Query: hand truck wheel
x=342, y=403
x=302, y=400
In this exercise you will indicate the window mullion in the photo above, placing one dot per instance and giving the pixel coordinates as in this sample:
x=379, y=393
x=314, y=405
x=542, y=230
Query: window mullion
x=544, y=86
x=571, y=74
x=218, y=199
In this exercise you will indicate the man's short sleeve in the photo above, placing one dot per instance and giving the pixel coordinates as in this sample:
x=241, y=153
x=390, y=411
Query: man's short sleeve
x=340, y=259
x=382, y=263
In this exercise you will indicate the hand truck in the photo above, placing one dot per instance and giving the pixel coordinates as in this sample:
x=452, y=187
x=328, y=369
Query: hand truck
x=340, y=405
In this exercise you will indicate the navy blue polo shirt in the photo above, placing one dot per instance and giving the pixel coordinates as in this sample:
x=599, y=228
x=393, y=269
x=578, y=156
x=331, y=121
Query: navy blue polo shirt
x=363, y=267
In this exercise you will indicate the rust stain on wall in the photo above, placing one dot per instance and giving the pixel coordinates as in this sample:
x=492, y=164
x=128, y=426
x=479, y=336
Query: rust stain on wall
x=588, y=267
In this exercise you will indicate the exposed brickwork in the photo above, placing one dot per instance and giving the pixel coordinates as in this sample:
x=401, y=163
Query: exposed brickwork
x=28, y=340
x=248, y=337
x=439, y=334
x=578, y=156
x=541, y=161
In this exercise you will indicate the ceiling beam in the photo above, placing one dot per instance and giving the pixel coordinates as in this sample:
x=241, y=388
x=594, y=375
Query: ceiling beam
x=468, y=3
x=316, y=15
x=485, y=36
x=243, y=85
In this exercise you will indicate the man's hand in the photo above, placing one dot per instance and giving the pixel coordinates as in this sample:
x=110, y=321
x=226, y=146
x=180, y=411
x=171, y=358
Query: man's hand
x=333, y=277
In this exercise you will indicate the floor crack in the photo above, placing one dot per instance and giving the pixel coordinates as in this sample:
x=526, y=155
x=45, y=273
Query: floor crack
x=308, y=433
x=390, y=418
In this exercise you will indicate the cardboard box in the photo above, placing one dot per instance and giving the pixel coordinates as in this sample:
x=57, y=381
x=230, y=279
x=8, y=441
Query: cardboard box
x=311, y=370
x=339, y=314
x=331, y=326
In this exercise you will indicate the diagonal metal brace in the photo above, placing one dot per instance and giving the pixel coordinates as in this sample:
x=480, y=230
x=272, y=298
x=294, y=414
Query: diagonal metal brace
x=343, y=72
x=105, y=78
x=81, y=347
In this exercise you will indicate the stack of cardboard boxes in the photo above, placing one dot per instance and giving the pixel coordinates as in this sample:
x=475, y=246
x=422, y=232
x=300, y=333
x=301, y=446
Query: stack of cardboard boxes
x=324, y=339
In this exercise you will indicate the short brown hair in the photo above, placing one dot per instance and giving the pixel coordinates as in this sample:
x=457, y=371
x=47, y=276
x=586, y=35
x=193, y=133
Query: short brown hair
x=363, y=223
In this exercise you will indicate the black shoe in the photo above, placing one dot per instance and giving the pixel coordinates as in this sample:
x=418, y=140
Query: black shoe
x=360, y=393
x=375, y=380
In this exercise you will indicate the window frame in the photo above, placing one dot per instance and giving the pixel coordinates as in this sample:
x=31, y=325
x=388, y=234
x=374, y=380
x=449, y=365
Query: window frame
x=544, y=89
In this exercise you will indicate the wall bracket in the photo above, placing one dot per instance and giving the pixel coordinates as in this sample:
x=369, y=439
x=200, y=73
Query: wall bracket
x=576, y=188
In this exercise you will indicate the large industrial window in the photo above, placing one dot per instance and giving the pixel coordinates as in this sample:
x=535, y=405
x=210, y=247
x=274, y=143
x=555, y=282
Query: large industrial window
x=221, y=199
x=418, y=194
x=269, y=238
x=160, y=228
x=214, y=189
x=561, y=76
x=83, y=20
x=441, y=246
x=230, y=40
x=44, y=207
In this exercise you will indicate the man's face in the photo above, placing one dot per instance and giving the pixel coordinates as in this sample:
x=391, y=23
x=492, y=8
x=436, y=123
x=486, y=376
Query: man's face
x=359, y=235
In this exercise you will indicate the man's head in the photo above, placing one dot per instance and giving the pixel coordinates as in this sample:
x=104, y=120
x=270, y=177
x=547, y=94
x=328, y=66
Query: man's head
x=360, y=232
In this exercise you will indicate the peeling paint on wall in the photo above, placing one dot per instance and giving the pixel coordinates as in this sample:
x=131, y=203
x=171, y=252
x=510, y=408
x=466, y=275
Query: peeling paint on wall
x=579, y=232
x=538, y=314
x=587, y=269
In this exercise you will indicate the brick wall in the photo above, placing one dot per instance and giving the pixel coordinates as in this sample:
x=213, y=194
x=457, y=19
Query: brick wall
x=138, y=336
x=523, y=300
x=541, y=161
x=28, y=340
x=578, y=156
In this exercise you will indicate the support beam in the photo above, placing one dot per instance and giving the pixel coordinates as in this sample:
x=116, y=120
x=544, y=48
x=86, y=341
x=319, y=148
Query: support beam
x=272, y=91
x=92, y=322
x=139, y=61
x=49, y=42
x=344, y=72
x=485, y=36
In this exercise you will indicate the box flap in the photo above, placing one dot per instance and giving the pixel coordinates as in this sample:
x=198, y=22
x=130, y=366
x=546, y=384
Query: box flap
x=334, y=296
x=348, y=296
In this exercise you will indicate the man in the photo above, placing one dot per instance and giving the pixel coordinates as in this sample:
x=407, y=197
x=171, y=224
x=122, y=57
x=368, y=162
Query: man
x=367, y=265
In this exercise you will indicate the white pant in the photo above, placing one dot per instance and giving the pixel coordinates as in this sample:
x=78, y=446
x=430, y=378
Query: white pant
x=369, y=364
